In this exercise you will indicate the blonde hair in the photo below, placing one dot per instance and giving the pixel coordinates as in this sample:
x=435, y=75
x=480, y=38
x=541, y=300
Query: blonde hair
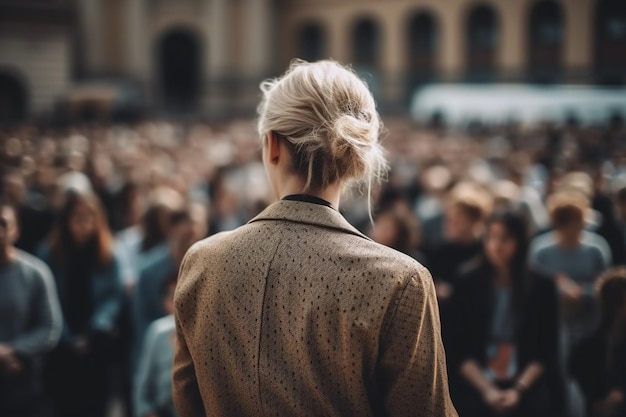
x=328, y=116
x=473, y=198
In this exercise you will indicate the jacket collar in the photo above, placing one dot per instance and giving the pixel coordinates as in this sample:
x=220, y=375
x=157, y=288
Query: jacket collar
x=307, y=213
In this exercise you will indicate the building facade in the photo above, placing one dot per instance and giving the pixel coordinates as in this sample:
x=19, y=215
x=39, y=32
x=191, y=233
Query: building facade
x=207, y=56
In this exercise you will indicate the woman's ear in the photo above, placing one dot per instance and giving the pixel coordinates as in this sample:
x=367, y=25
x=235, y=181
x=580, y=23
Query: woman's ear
x=273, y=148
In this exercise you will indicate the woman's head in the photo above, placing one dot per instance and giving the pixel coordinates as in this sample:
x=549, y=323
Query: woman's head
x=506, y=240
x=82, y=223
x=326, y=116
x=466, y=211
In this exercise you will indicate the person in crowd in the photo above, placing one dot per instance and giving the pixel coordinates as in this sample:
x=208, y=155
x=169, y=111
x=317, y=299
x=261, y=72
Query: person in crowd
x=575, y=266
x=153, y=384
x=37, y=217
x=88, y=279
x=598, y=362
x=465, y=215
x=297, y=313
x=186, y=226
x=30, y=322
x=142, y=243
x=430, y=205
x=602, y=202
x=575, y=263
x=504, y=325
x=530, y=198
x=619, y=200
x=578, y=184
x=395, y=226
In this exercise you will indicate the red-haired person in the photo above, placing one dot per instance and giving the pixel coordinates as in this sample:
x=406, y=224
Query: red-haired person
x=87, y=273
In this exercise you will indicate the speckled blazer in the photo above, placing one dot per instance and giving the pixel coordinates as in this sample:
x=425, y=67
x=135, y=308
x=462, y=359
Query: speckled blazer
x=299, y=314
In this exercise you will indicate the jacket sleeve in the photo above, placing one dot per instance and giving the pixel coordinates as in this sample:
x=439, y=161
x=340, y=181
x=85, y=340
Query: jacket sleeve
x=144, y=401
x=412, y=366
x=46, y=320
x=462, y=339
x=185, y=390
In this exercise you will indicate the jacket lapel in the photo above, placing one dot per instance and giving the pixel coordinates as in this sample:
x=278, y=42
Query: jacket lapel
x=307, y=213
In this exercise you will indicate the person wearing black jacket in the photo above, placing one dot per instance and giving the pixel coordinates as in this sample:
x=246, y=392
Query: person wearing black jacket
x=503, y=350
x=598, y=362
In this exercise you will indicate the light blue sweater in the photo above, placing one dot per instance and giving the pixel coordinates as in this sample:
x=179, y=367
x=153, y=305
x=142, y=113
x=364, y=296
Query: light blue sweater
x=153, y=383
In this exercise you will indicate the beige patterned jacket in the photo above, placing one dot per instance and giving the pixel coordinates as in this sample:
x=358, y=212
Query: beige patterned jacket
x=299, y=314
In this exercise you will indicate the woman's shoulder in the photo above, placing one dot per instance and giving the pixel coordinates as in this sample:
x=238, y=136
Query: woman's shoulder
x=211, y=242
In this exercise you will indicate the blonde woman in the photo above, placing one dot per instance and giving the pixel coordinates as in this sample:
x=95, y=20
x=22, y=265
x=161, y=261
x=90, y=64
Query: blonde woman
x=297, y=313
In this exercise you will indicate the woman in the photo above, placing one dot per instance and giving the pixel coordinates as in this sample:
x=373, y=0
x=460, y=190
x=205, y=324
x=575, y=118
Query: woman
x=87, y=274
x=297, y=313
x=503, y=344
x=598, y=362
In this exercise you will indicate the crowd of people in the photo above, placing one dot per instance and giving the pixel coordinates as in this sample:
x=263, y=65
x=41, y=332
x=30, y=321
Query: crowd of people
x=522, y=227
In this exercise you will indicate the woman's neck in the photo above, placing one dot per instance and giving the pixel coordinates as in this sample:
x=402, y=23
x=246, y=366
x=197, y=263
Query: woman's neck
x=295, y=185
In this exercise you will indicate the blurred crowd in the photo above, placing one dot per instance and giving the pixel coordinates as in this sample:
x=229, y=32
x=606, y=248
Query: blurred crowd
x=522, y=227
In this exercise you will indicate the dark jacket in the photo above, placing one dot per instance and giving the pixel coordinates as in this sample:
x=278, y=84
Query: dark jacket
x=536, y=333
x=590, y=367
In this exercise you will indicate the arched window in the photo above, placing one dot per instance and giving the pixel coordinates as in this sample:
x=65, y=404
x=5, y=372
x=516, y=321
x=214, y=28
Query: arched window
x=422, y=43
x=311, y=42
x=366, y=45
x=483, y=38
x=545, y=40
x=610, y=42
x=13, y=99
x=179, y=57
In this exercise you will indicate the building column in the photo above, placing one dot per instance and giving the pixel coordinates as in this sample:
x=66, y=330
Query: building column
x=451, y=59
x=393, y=59
x=91, y=35
x=216, y=78
x=258, y=57
x=217, y=38
x=512, y=23
x=136, y=56
x=339, y=37
x=578, y=38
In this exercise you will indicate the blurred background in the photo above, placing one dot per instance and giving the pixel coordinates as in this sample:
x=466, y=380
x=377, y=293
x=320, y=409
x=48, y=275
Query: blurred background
x=117, y=59
x=141, y=113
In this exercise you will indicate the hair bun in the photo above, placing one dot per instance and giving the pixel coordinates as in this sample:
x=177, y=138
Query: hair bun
x=329, y=115
x=348, y=134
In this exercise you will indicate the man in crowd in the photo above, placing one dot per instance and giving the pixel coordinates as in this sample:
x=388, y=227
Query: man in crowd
x=30, y=322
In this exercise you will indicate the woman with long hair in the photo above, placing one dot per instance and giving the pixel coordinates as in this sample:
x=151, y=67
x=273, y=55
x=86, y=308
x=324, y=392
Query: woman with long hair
x=504, y=339
x=80, y=255
x=297, y=313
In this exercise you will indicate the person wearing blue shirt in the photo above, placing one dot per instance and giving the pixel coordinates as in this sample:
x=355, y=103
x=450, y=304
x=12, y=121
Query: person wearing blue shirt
x=153, y=384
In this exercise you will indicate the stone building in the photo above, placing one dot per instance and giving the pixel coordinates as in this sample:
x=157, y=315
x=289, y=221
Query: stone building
x=207, y=57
